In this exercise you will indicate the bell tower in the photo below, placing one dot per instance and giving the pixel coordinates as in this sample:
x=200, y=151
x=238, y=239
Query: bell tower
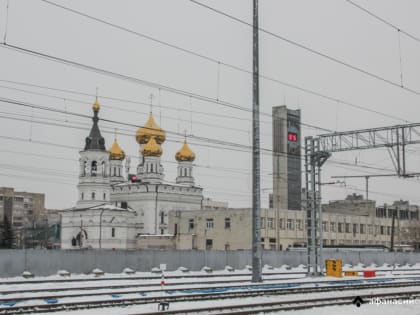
x=94, y=182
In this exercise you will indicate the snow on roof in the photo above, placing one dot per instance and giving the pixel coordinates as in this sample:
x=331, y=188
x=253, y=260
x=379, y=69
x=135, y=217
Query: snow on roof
x=100, y=207
x=162, y=183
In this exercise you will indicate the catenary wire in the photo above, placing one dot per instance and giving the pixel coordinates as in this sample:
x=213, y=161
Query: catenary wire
x=230, y=145
x=219, y=62
x=399, y=29
x=311, y=50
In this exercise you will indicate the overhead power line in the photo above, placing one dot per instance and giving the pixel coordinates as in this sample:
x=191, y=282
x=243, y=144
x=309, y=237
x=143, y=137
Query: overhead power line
x=219, y=62
x=134, y=111
x=59, y=173
x=311, y=50
x=138, y=81
x=399, y=29
x=207, y=141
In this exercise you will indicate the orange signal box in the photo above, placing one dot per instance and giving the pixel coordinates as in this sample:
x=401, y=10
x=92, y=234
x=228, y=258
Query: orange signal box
x=334, y=268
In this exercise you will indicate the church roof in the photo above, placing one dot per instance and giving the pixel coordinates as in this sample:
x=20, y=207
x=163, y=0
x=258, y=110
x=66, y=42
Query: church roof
x=150, y=130
x=185, y=153
x=95, y=141
x=115, y=152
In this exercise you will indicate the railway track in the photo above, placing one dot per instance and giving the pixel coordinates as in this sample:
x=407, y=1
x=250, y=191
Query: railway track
x=186, y=295
x=7, y=295
x=189, y=275
x=291, y=305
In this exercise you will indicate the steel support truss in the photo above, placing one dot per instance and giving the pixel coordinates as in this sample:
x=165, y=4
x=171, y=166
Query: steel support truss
x=318, y=150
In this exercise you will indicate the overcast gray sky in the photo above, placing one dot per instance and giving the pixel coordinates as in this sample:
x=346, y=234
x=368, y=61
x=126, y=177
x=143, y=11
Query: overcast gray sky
x=333, y=27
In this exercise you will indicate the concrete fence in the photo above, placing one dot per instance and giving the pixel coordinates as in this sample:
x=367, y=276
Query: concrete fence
x=48, y=262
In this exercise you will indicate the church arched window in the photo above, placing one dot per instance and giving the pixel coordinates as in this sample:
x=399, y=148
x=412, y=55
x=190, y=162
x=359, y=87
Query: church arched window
x=82, y=196
x=84, y=168
x=93, y=195
x=151, y=168
x=115, y=171
x=103, y=168
x=104, y=196
x=94, y=168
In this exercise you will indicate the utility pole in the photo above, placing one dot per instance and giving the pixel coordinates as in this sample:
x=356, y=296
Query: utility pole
x=394, y=213
x=256, y=198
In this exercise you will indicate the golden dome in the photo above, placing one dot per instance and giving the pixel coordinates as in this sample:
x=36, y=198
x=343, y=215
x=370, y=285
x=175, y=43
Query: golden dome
x=96, y=106
x=185, y=153
x=152, y=148
x=150, y=130
x=115, y=152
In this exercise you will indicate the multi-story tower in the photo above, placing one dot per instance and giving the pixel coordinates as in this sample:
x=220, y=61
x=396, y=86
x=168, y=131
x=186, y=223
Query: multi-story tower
x=185, y=158
x=94, y=184
x=287, y=167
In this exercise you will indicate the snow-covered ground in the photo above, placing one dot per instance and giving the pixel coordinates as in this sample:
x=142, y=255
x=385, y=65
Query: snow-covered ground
x=365, y=309
x=196, y=282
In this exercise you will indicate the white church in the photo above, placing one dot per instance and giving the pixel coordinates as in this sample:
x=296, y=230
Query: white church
x=113, y=211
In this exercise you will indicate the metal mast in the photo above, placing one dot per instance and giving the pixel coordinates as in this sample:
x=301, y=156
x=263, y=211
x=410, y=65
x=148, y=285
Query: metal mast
x=319, y=149
x=256, y=200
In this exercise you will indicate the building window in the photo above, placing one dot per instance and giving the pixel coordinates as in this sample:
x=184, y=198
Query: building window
x=191, y=224
x=298, y=224
x=332, y=242
x=94, y=168
x=281, y=224
x=347, y=227
x=209, y=244
x=93, y=195
x=270, y=223
x=104, y=196
x=354, y=228
x=209, y=224
x=113, y=232
x=388, y=230
x=115, y=171
x=162, y=218
x=324, y=226
x=362, y=229
x=382, y=230
x=227, y=246
x=103, y=168
x=82, y=197
x=272, y=243
x=289, y=224
x=263, y=223
x=227, y=223
x=332, y=226
x=340, y=227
